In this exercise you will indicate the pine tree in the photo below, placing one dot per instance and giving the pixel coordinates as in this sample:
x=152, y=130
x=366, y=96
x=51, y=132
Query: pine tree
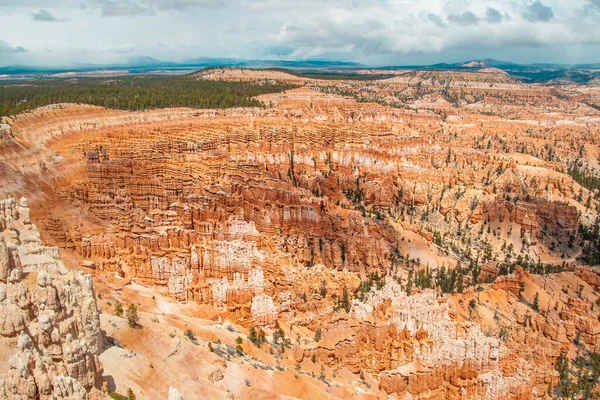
x=459, y=274
x=536, y=302
x=323, y=289
x=409, y=282
x=252, y=335
x=318, y=334
x=261, y=337
x=118, y=308
x=345, y=300
x=132, y=316
x=130, y=394
x=564, y=386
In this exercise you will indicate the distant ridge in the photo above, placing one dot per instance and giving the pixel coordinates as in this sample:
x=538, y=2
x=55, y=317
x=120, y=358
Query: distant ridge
x=231, y=62
x=141, y=63
x=532, y=73
x=529, y=73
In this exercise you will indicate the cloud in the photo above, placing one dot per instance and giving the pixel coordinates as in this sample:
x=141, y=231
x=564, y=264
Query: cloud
x=182, y=4
x=421, y=30
x=493, y=16
x=466, y=18
x=368, y=31
x=436, y=19
x=121, y=8
x=592, y=5
x=135, y=8
x=537, y=12
x=45, y=16
x=7, y=48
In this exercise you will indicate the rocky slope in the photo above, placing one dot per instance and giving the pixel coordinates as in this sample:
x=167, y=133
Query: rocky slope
x=49, y=321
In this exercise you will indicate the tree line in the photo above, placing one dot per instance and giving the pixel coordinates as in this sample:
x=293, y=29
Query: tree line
x=133, y=93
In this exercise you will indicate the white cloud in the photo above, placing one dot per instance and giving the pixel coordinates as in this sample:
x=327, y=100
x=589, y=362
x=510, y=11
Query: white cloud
x=121, y=8
x=538, y=12
x=45, y=16
x=398, y=31
x=7, y=48
x=466, y=18
x=493, y=16
x=182, y=4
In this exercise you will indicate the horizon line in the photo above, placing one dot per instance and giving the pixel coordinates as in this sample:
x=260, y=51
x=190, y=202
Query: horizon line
x=214, y=62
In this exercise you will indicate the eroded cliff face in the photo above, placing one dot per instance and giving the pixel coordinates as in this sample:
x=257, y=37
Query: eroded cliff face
x=416, y=347
x=49, y=321
x=219, y=221
x=182, y=204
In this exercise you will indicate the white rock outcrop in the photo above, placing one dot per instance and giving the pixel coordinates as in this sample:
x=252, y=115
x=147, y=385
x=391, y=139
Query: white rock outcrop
x=49, y=321
x=264, y=311
x=174, y=394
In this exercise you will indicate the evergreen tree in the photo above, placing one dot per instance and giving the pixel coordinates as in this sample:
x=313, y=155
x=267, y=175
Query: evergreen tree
x=261, y=337
x=118, y=308
x=132, y=316
x=318, y=334
x=345, y=303
x=564, y=386
x=323, y=289
x=409, y=282
x=536, y=302
x=459, y=276
x=252, y=335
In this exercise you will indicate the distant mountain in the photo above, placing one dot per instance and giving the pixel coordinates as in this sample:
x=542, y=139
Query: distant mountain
x=148, y=62
x=233, y=62
x=586, y=66
x=531, y=73
x=528, y=73
x=475, y=64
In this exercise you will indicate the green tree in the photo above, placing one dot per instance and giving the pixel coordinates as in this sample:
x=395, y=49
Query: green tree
x=345, y=304
x=132, y=316
x=130, y=394
x=118, y=308
x=257, y=336
x=261, y=337
x=134, y=93
x=190, y=335
x=318, y=334
x=564, y=387
x=240, y=350
x=409, y=282
x=459, y=273
x=472, y=304
x=278, y=334
x=536, y=302
x=323, y=289
x=252, y=335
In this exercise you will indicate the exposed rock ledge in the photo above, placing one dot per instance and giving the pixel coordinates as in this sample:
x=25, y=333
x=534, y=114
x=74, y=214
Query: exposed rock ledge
x=49, y=324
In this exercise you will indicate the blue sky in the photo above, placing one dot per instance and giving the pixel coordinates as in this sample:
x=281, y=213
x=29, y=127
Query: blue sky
x=64, y=32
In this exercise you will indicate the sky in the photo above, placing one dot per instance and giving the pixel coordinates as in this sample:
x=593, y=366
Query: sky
x=372, y=32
